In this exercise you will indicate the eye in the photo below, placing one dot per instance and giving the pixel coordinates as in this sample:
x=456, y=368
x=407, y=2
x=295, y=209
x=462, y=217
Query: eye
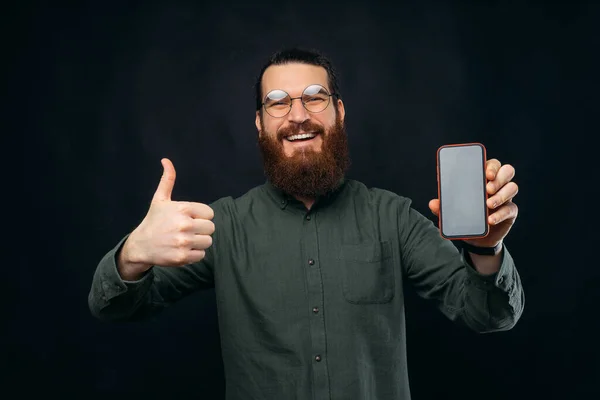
x=278, y=104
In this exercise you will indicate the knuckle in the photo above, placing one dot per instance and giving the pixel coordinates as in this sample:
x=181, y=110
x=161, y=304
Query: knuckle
x=210, y=213
x=211, y=227
x=184, y=225
x=510, y=169
x=509, y=213
x=209, y=241
x=498, y=199
x=182, y=241
x=183, y=207
x=180, y=258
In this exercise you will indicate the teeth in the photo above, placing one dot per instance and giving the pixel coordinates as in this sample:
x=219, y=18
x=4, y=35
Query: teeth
x=301, y=136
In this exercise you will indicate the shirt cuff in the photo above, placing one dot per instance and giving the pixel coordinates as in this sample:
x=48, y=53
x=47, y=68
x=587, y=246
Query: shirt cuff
x=112, y=283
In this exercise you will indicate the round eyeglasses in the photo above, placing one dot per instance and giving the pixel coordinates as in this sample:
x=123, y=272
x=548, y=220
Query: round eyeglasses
x=315, y=98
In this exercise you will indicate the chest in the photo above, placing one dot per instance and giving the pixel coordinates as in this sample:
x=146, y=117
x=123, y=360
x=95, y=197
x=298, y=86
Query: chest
x=284, y=263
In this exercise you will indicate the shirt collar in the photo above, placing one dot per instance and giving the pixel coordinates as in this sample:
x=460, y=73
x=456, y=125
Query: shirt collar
x=284, y=200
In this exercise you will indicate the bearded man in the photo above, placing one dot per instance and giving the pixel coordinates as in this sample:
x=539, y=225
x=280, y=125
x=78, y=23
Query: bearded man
x=308, y=268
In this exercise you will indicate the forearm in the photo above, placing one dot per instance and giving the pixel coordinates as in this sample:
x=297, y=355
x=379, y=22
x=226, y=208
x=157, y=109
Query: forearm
x=115, y=296
x=487, y=297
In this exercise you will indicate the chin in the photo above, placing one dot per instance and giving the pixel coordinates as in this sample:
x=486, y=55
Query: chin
x=312, y=148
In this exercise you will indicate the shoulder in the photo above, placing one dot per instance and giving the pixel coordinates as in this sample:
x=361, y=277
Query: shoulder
x=390, y=208
x=229, y=206
x=376, y=196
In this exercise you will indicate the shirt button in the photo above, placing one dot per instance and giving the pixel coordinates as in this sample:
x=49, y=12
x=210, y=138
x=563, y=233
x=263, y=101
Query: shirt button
x=311, y=262
x=308, y=217
x=318, y=358
x=316, y=310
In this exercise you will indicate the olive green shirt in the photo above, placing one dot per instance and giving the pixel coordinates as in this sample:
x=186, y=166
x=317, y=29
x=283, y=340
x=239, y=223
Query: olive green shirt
x=310, y=303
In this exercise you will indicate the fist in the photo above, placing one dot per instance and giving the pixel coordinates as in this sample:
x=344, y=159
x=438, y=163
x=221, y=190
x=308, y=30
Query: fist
x=173, y=233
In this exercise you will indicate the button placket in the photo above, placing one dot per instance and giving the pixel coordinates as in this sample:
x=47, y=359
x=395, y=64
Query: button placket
x=314, y=285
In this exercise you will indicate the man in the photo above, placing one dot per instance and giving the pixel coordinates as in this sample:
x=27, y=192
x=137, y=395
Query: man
x=308, y=268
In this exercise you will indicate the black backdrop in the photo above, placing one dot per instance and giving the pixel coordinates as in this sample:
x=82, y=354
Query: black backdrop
x=99, y=93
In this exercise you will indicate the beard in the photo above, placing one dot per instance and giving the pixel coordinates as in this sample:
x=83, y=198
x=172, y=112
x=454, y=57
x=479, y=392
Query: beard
x=307, y=173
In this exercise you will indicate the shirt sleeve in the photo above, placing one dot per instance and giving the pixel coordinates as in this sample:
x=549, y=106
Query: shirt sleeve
x=113, y=299
x=444, y=274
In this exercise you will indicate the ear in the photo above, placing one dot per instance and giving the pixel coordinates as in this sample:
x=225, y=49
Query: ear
x=341, y=109
x=257, y=123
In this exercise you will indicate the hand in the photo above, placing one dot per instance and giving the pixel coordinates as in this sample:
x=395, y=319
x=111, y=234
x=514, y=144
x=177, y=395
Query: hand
x=502, y=211
x=172, y=233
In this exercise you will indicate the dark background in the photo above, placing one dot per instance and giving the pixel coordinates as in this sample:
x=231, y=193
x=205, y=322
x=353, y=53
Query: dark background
x=98, y=93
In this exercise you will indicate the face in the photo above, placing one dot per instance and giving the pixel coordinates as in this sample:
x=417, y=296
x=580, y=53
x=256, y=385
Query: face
x=294, y=79
x=305, y=152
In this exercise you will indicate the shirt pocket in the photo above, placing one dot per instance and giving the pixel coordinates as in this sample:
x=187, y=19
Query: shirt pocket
x=367, y=272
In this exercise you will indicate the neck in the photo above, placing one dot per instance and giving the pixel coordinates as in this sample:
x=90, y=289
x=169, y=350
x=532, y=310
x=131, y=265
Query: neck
x=308, y=202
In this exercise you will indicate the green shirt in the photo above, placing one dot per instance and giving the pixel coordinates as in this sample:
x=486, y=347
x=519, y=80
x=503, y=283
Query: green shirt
x=310, y=303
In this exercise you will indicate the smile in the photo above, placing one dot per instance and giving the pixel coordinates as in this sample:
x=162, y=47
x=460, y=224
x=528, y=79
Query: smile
x=301, y=136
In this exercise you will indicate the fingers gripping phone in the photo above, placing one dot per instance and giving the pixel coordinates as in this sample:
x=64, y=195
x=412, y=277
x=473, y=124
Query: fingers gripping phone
x=461, y=191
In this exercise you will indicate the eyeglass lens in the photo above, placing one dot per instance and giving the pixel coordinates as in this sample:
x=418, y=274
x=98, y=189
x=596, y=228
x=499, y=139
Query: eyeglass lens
x=315, y=98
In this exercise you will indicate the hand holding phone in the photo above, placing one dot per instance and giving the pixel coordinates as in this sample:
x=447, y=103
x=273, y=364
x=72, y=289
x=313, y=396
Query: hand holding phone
x=469, y=188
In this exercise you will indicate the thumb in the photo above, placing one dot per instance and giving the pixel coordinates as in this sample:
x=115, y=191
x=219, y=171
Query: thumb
x=434, y=206
x=167, y=181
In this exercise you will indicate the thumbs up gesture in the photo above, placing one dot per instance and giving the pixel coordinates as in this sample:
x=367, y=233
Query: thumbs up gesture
x=173, y=233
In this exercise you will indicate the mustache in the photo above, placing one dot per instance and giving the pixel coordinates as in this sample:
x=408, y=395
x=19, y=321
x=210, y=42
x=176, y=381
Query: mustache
x=293, y=129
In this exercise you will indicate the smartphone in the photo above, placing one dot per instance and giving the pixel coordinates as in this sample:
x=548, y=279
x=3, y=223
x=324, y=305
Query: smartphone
x=462, y=191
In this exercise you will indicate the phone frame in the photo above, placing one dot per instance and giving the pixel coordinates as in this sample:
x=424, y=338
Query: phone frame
x=485, y=197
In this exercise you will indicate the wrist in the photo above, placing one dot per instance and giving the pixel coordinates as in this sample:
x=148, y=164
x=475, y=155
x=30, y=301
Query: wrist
x=484, y=264
x=130, y=266
x=482, y=250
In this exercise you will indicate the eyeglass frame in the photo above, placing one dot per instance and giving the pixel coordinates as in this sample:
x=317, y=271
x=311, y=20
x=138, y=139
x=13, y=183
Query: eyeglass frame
x=329, y=96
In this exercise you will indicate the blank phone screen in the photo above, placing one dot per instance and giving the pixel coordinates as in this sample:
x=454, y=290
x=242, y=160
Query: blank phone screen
x=462, y=191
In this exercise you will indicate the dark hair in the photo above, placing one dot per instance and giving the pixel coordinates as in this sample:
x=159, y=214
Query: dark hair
x=303, y=56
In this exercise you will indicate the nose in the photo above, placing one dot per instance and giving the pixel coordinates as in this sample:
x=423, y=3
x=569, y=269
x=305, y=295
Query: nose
x=298, y=113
